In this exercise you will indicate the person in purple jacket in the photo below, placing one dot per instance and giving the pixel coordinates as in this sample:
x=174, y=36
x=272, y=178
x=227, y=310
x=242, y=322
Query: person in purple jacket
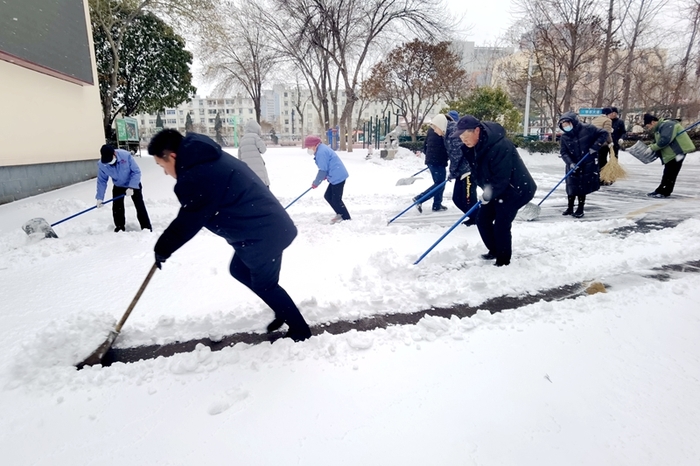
x=119, y=165
x=222, y=194
x=330, y=167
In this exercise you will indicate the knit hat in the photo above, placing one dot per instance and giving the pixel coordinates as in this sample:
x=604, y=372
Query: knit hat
x=453, y=115
x=107, y=153
x=465, y=123
x=439, y=121
x=648, y=118
x=312, y=141
x=614, y=110
x=607, y=111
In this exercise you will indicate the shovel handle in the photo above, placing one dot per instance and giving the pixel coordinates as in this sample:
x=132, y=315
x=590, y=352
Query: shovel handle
x=119, y=326
x=86, y=210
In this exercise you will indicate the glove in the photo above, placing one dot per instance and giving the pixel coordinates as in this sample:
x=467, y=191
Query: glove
x=159, y=261
x=129, y=192
x=465, y=175
x=619, y=142
x=483, y=201
x=593, y=152
x=680, y=157
x=451, y=177
x=574, y=168
x=314, y=186
x=98, y=204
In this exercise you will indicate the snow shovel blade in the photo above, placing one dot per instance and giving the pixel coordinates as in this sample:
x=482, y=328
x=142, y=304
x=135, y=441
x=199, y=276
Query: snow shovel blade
x=529, y=211
x=405, y=181
x=97, y=355
x=642, y=152
x=37, y=225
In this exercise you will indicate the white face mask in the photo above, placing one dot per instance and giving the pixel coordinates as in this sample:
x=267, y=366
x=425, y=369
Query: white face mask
x=114, y=160
x=311, y=151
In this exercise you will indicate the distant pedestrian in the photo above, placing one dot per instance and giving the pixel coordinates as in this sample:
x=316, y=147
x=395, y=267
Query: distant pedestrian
x=580, y=142
x=119, y=165
x=330, y=167
x=453, y=115
x=506, y=183
x=604, y=122
x=251, y=148
x=436, y=160
x=672, y=145
x=619, y=132
x=220, y=193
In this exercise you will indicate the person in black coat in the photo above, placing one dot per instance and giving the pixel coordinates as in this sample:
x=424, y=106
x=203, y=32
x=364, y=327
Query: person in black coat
x=221, y=193
x=580, y=142
x=436, y=160
x=619, y=130
x=506, y=182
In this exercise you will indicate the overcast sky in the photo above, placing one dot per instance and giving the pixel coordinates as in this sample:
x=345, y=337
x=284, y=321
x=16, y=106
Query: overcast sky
x=484, y=22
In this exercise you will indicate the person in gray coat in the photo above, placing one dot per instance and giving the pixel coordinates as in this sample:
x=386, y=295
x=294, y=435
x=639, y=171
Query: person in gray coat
x=251, y=149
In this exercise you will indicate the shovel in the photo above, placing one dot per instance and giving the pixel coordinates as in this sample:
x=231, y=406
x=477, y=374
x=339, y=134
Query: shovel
x=40, y=225
x=97, y=356
x=410, y=179
x=531, y=211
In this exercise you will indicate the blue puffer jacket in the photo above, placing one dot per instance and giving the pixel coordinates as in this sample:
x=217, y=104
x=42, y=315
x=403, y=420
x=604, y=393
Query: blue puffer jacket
x=329, y=166
x=125, y=173
x=221, y=193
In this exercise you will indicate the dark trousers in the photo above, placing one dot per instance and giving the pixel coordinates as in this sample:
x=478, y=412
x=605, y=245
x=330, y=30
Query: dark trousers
x=118, y=207
x=334, y=196
x=464, y=194
x=439, y=174
x=494, y=222
x=603, y=156
x=264, y=281
x=668, y=180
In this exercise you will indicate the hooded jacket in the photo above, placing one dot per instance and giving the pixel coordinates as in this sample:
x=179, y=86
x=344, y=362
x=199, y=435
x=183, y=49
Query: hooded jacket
x=582, y=140
x=251, y=149
x=125, y=173
x=221, y=193
x=670, y=141
x=498, y=168
x=329, y=166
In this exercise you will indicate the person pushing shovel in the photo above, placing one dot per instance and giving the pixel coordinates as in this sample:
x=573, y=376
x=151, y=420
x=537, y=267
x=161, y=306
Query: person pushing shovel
x=119, y=165
x=506, y=183
x=219, y=192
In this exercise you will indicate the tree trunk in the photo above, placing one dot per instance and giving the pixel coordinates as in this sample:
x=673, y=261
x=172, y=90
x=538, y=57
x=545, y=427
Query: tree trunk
x=602, y=78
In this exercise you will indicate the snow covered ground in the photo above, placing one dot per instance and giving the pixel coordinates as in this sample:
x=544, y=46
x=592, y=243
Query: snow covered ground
x=604, y=379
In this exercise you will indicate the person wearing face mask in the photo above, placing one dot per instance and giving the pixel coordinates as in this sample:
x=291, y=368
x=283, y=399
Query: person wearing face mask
x=330, y=168
x=119, y=165
x=580, y=144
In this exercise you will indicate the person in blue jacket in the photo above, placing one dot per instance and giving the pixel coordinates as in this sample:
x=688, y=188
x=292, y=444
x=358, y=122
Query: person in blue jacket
x=330, y=167
x=222, y=194
x=119, y=165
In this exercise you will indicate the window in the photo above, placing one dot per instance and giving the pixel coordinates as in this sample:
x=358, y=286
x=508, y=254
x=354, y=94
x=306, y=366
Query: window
x=172, y=121
x=250, y=110
x=212, y=111
x=201, y=111
x=181, y=112
x=202, y=120
x=170, y=112
x=211, y=120
x=286, y=122
x=285, y=94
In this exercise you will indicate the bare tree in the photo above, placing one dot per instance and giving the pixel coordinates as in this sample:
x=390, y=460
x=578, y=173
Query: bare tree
x=685, y=63
x=414, y=77
x=610, y=43
x=565, y=38
x=639, y=17
x=344, y=32
x=234, y=52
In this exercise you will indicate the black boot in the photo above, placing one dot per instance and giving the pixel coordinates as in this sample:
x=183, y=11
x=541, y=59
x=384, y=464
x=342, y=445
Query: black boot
x=275, y=325
x=579, y=209
x=570, y=210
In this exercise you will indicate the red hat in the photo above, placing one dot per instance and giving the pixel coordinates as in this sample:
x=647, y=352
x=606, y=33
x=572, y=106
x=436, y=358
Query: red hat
x=312, y=141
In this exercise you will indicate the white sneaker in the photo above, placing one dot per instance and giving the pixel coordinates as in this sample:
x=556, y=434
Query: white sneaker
x=336, y=219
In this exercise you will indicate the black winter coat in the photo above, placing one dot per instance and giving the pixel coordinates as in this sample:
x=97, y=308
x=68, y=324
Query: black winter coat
x=221, y=193
x=434, y=149
x=619, y=130
x=459, y=165
x=575, y=145
x=498, y=168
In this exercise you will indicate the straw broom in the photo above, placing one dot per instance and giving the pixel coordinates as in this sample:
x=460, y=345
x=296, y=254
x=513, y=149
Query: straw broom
x=612, y=171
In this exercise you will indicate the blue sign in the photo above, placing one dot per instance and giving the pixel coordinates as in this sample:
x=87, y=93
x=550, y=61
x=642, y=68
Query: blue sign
x=590, y=111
